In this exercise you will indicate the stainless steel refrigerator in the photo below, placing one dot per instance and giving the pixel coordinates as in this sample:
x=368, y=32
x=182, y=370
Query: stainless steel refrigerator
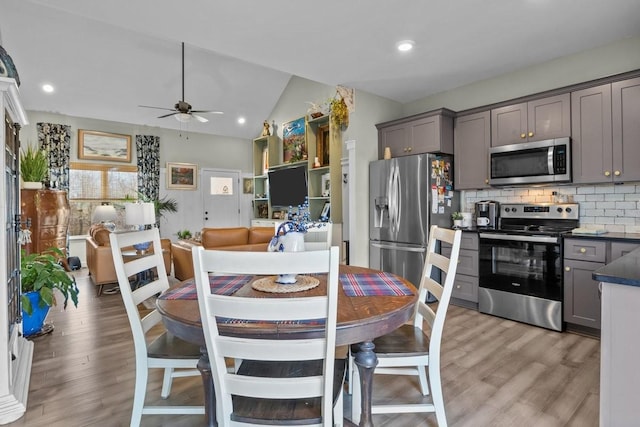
x=406, y=196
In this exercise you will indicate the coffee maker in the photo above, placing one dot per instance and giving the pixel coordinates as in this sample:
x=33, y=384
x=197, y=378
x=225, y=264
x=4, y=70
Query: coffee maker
x=487, y=214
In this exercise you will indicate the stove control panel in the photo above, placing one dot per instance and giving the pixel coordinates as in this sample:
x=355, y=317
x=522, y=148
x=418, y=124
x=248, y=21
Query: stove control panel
x=541, y=210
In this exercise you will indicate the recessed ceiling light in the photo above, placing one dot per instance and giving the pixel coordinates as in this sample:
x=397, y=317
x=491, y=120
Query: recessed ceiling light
x=405, y=45
x=47, y=88
x=241, y=120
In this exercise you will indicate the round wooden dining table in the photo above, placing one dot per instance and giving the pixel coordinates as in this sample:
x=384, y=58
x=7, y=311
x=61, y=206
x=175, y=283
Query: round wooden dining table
x=360, y=320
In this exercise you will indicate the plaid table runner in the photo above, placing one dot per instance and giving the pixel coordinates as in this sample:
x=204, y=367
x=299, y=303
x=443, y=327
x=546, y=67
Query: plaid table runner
x=373, y=284
x=220, y=285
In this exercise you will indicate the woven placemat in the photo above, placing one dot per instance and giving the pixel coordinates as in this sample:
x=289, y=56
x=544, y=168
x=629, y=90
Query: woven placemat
x=268, y=284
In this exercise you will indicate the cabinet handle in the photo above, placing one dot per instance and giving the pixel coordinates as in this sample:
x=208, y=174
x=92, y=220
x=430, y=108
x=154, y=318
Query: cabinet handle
x=617, y=173
x=457, y=286
x=409, y=149
x=530, y=134
x=486, y=181
x=607, y=173
x=523, y=135
x=583, y=250
x=567, y=268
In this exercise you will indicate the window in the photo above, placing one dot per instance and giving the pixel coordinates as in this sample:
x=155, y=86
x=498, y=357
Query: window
x=91, y=184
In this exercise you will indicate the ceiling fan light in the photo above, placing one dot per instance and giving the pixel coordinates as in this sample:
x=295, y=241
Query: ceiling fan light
x=183, y=117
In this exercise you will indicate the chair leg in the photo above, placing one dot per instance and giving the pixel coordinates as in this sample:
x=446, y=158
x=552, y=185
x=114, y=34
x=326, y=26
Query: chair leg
x=338, y=410
x=140, y=390
x=350, y=367
x=356, y=395
x=166, y=383
x=422, y=376
x=436, y=392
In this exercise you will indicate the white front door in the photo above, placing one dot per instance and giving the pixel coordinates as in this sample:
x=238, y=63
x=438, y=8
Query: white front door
x=221, y=198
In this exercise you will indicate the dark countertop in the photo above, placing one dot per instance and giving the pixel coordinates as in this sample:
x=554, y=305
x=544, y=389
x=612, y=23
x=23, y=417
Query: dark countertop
x=623, y=271
x=606, y=236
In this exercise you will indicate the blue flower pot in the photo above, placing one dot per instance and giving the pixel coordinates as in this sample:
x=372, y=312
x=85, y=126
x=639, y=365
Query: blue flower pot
x=32, y=323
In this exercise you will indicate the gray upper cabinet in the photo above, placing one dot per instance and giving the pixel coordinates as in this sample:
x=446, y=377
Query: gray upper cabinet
x=536, y=120
x=430, y=132
x=472, y=139
x=591, y=134
x=605, y=130
x=625, y=98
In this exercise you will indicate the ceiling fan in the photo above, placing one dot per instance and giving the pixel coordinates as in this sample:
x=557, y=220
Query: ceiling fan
x=182, y=109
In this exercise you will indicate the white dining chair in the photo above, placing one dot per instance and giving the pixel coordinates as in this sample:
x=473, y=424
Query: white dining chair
x=178, y=358
x=286, y=381
x=413, y=347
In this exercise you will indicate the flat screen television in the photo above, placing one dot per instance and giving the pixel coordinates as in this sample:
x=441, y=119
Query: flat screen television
x=288, y=186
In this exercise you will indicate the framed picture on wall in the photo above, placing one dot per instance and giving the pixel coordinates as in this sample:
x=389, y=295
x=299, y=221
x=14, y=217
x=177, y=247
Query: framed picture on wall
x=182, y=176
x=94, y=145
x=247, y=185
x=294, y=142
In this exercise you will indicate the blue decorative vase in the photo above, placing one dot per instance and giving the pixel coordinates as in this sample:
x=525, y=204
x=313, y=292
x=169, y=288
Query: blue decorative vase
x=32, y=323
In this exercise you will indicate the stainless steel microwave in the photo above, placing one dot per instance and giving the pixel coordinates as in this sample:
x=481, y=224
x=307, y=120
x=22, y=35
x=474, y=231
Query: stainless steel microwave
x=539, y=162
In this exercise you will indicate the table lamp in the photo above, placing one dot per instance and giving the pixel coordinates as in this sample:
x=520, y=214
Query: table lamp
x=139, y=215
x=105, y=214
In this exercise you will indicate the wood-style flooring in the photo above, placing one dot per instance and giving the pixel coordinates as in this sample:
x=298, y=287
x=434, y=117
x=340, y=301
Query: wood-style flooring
x=495, y=373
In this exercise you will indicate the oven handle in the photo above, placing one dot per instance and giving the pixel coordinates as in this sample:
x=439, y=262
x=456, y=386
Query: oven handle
x=515, y=238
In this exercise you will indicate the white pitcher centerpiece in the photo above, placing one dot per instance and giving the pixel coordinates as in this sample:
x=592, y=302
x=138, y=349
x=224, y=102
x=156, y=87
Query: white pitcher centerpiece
x=289, y=236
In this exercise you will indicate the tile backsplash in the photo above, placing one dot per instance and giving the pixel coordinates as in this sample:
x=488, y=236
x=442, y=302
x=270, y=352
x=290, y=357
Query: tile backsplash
x=615, y=208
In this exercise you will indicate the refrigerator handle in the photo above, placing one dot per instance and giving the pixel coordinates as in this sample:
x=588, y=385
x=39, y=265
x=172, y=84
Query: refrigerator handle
x=398, y=200
x=398, y=248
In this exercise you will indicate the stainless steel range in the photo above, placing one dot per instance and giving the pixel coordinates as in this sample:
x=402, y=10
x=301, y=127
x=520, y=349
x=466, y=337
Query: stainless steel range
x=521, y=263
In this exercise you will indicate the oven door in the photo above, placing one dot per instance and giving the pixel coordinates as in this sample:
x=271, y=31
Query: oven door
x=526, y=265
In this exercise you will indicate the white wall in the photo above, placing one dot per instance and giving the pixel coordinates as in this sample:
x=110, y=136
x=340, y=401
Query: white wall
x=206, y=151
x=369, y=110
x=614, y=58
x=230, y=153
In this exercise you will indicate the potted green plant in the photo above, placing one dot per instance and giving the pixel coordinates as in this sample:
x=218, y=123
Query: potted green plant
x=457, y=219
x=41, y=273
x=33, y=167
x=184, y=234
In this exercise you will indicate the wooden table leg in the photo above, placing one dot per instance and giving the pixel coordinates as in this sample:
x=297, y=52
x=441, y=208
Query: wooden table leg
x=209, y=392
x=366, y=361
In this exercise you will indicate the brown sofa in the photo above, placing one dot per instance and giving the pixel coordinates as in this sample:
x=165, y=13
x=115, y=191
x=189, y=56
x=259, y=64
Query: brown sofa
x=226, y=239
x=100, y=261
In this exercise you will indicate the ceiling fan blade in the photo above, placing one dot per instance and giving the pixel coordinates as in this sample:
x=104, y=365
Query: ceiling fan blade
x=207, y=112
x=157, y=108
x=200, y=118
x=168, y=115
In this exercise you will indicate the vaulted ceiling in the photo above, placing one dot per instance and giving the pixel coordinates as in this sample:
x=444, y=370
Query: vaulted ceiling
x=105, y=58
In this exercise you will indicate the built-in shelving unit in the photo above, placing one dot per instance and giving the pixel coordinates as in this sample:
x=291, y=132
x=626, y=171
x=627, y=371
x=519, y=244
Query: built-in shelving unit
x=324, y=184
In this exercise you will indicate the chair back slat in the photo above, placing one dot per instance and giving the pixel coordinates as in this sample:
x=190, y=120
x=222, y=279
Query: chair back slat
x=220, y=308
x=126, y=267
x=444, y=268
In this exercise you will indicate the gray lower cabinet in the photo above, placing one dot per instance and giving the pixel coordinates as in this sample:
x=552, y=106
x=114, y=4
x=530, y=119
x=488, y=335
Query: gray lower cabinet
x=582, y=304
x=472, y=140
x=465, y=287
